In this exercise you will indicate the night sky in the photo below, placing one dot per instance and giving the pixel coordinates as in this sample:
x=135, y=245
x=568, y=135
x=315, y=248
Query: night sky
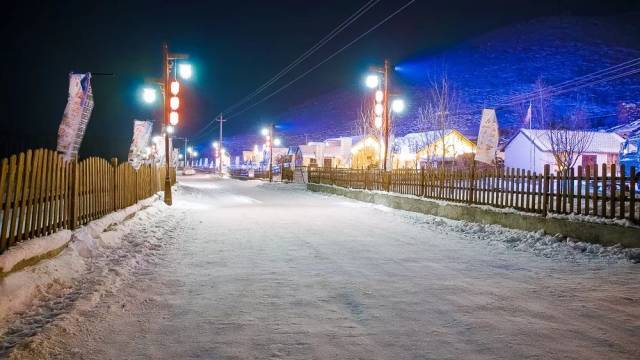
x=235, y=46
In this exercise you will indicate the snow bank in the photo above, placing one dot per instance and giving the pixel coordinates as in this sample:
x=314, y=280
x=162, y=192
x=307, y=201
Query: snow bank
x=25, y=252
x=54, y=276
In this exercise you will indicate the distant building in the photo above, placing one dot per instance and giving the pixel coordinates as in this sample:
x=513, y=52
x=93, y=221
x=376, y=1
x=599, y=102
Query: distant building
x=422, y=149
x=531, y=150
x=366, y=152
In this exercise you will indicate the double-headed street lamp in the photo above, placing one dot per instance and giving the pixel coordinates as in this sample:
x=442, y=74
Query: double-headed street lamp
x=171, y=68
x=381, y=104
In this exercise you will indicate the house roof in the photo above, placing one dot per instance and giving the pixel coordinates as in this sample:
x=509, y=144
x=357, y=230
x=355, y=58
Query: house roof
x=417, y=141
x=601, y=142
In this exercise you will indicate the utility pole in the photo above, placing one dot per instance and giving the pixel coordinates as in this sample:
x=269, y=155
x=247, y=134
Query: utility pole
x=271, y=152
x=386, y=113
x=220, y=119
x=165, y=116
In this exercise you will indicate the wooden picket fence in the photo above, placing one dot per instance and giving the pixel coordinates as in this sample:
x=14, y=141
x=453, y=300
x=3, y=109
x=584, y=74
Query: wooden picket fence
x=609, y=193
x=41, y=194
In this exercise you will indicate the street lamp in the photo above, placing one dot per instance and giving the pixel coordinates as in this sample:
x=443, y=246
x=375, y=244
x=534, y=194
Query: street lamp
x=397, y=105
x=372, y=81
x=149, y=95
x=381, y=104
x=185, y=71
x=277, y=142
x=170, y=87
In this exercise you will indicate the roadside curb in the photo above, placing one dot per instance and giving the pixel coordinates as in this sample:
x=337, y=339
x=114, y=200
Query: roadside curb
x=603, y=234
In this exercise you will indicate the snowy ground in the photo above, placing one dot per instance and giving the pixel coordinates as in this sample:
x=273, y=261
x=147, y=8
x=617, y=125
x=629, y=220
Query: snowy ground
x=243, y=270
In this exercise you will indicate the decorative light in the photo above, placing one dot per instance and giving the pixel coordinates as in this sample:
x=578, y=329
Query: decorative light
x=174, y=103
x=190, y=149
x=372, y=81
x=379, y=96
x=195, y=154
x=170, y=129
x=175, y=87
x=180, y=156
x=378, y=122
x=185, y=71
x=149, y=95
x=156, y=139
x=215, y=144
x=173, y=118
x=277, y=142
x=397, y=105
x=265, y=132
x=378, y=109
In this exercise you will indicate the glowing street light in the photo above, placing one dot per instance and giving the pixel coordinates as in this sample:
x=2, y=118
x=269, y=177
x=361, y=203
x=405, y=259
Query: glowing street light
x=277, y=142
x=190, y=149
x=170, y=129
x=397, y=105
x=215, y=144
x=185, y=71
x=372, y=81
x=265, y=132
x=149, y=95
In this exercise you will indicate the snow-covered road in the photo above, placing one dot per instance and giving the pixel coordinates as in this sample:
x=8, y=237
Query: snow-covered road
x=250, y=270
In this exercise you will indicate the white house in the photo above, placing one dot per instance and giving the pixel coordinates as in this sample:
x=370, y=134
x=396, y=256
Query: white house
x=531, y=150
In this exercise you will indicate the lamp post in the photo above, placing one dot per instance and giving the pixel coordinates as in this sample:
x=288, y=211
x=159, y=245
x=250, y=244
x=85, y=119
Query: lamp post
x=381, y=105
x=170, y=87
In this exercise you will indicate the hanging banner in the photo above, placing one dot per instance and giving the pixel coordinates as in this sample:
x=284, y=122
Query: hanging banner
x=76, y=115
x=488, y=137
x=141, y=135
x=175, y=157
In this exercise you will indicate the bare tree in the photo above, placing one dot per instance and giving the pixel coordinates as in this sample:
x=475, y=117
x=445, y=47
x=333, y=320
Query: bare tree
x=437, y=115
x=365, y=121
x=569, y=138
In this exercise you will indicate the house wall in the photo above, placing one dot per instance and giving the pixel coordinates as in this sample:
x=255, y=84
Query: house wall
x=521, y=153
x=455, y=145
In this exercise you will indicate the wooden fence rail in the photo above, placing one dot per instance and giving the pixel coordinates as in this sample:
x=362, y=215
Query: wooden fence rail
x=41, y=194
x=602, y=191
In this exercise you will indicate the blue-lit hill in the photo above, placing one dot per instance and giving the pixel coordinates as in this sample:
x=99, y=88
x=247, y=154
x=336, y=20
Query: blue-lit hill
x=493, y=67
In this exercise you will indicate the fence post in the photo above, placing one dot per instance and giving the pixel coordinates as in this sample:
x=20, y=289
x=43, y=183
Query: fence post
x=545, y=190
x=422, y=181
x=471, y=183
x=114, y=177
x=73, y=195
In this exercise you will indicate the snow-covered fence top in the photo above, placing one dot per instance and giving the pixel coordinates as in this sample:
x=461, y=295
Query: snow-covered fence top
x=607, y=194
x=40, y=193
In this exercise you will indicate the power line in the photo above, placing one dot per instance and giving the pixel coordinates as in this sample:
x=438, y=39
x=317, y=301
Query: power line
x=324, y=61
x=570, y=85
x=308, y=53
x=361, y=11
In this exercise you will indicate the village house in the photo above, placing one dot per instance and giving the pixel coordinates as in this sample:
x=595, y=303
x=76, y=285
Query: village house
x=425, y=149
x=531, y=149
x=366, y=152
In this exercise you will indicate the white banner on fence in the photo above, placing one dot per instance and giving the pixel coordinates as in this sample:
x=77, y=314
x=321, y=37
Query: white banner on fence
x=488, y=137
x=76, y=115
x=141, y=135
